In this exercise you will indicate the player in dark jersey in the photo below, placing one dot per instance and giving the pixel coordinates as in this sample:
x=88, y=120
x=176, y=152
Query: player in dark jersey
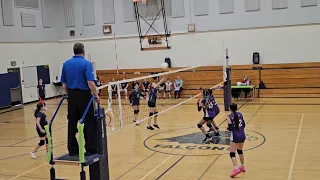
x=152, y=104
x=40, y=123
x=217, y=110
x=236, y=125
x=146, y=87
x=135, y=101
x=208, y=105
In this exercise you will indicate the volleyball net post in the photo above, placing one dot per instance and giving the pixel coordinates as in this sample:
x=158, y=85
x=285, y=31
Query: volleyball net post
x=227, y=82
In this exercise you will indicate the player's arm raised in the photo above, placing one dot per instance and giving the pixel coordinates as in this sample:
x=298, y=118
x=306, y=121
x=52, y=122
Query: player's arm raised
x=161, y=81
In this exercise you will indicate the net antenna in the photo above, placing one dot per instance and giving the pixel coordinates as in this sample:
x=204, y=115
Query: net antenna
x=139, y=17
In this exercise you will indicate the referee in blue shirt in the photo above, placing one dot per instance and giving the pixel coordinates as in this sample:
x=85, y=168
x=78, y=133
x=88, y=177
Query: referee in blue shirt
x=79, y=84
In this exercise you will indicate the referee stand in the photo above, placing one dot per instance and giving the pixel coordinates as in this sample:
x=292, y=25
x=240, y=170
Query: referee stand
x=98, y=163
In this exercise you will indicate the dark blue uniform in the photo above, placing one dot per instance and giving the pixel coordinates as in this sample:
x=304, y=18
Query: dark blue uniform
x=76, y=73
x=135, y=97
x=43, y=122
x=41, y=89
x=152, y=97
x=146, y=85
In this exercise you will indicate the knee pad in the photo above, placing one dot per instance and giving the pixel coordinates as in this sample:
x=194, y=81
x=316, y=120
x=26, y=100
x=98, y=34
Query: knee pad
x=199, y=126
x=232, y=154
x=42, y=142
x=156, y=114
x=239, y=151
x=47, y=142
x=150, y=114
x=209, y=125
x=136, y=111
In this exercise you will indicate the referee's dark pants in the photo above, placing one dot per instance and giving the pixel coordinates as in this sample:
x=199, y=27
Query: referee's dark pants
x=77, y=103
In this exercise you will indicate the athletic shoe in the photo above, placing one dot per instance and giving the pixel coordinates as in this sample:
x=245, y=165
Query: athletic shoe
x=157, y=126
x=235, y=173
x=33, y=155
x=150, y=127
x=207, y=139
x=242, y=168
x=217, y=135
x=137, y=122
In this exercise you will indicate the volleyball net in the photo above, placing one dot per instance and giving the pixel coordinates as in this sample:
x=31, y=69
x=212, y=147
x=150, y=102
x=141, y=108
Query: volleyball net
x=179, y=87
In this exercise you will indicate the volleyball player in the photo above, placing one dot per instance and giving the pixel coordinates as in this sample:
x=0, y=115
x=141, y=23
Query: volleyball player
x=216, y=109
x=134, y=99
x=146, y=86
x=208, y=105
x=152, y=104
x=41, y=121
x=236, y=125
x=42, y=92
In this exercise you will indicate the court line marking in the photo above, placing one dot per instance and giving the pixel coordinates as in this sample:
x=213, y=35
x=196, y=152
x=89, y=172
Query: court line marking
x=254, y=114
x=28, y=171
x=136, y=165
x=156, y=167
x=170, y=167
x=295, y=149
x=209, y=167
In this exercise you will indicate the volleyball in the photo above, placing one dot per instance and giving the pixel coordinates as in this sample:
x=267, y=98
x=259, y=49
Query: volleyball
x=164, y=65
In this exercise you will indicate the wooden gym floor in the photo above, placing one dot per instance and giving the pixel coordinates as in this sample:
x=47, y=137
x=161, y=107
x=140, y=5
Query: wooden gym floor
x=282, y=144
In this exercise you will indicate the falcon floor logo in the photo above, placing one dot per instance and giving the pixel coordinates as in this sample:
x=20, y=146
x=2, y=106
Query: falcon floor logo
x=189, y=142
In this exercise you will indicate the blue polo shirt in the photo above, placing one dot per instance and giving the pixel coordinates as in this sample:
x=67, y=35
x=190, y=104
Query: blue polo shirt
x=76, y=72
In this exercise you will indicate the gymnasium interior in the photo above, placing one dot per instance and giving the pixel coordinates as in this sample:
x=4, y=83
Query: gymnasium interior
x=262, y=55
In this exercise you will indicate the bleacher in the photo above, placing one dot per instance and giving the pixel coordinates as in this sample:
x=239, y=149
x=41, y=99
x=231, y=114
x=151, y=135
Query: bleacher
x=281, y=80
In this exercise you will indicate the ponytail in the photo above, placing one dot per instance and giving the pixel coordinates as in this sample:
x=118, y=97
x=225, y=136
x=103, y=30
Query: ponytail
x=233, y=108
x=236, y=120
x=39, y=106
x=36, y=112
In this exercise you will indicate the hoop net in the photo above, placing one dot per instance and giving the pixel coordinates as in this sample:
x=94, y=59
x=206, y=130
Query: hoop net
x=195, y=79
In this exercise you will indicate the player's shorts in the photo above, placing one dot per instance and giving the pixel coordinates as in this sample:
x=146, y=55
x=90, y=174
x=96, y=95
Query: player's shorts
x=168, y=90
x=238, y=141
x=40, y=133
x=134, y=103
x=217, y=110
x=151, y=104
x=208, y=118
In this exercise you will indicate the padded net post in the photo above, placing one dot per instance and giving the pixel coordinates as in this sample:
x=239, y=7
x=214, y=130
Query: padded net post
x=227, y=82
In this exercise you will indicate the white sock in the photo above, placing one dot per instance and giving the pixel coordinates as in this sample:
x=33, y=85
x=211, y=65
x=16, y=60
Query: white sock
x=242, y=165
x=235, y=167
